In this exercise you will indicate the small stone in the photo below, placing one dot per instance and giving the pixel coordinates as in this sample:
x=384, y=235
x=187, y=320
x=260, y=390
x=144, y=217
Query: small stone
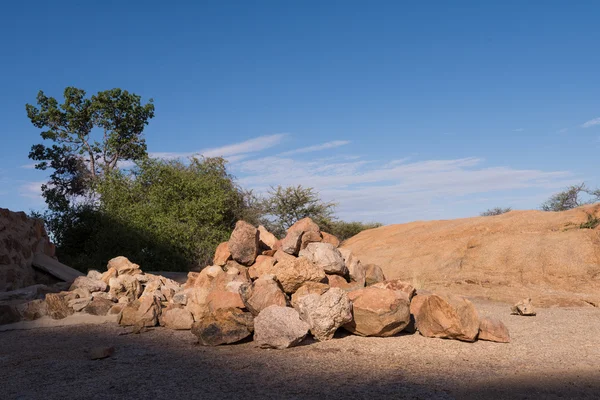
x=99, y=353
x=524, y=307
x=493, y=330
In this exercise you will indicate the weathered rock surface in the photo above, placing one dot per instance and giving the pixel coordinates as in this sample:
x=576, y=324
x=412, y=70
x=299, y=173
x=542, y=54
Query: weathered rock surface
x=309, y=288
x=294, y=273
x=329, y=238
x=293, y=240
x=224, y=326
x=142, y=312
x=98, y=306
x=279, y=328
x=223, y=299
x=264, y=265
x=57, y=305
x=14, y=277
x=310, y=237
x=123, y=266
x=340, y=282
x=524, y=307
x=493, y=330
x=222, y=254
x=398, y=285
x=378, y=312
x=32, y=310
x=266, y=239
x=177, y=318
x=325, y=313
x=326, y=256
x=356, y=270
x=125, y=287
x=243, y=243
x=262, y=293
x=373, y=274
x=449, y=317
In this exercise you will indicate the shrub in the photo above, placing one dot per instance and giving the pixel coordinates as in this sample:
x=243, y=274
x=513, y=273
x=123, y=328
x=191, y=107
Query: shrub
x=495, y=211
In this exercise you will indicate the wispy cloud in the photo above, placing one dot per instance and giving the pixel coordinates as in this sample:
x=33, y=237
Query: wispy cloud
x=318, y=147
x=591, y=122
x=28, y=166
x=396, y=191
x=518, y=130
x=232, y=152
x=32, y=190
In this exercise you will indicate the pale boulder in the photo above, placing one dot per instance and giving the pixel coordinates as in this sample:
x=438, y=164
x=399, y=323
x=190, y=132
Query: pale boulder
x=279, y=328
x=177, y=319
x=123, y=266
x=125, y=288
x=356, y=270
x=57, y=305
x=525, y=308
x=325, y=313
x=309, y=288
x=493, y=330
x=398, y=285
x=326, y=256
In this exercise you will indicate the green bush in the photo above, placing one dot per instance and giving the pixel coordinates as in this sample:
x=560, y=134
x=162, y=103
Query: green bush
x=345, y=230
x=591, y=223
x=495, y=211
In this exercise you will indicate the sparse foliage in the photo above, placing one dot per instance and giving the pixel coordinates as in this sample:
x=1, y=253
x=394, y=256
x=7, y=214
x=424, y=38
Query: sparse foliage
x=591, y=223
x=495, y=211
x=571, y=198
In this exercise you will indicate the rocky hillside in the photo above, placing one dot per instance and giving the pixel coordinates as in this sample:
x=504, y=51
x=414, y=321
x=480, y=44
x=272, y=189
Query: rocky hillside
x=544, y=255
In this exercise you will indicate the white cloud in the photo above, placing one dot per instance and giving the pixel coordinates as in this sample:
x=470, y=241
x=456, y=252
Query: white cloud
x=319, y=147
x=32, y=190
x=235, y=151
x=591, y=122
x=396, y=191
x=28, y=166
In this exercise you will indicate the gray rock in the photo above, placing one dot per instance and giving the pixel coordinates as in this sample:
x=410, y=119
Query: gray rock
x=92, y=285
x=326, y=256
x=325, y=313
x=279, y=328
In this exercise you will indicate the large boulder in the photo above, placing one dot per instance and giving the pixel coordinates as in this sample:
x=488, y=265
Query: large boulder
x=329, y=238
x=294, y=273
x=266, y=239
x=223, y=299
x=177, y=318
x=449, y=317
x=14, y=277
x=123, y=266
x=326, y=256
x=98, y=306
x=262, y=293
x=310, y=237
x=325, y=313
x=378, y=312
x=222, y=254
x=279, y=328
x=309, y=288
x=243, y=243
x=143, y=312
x=32, y=310
x=398, y=285
x=224, y=326
x=373, y=274
x=356, y=271
x=493, y=330
x=341, y=282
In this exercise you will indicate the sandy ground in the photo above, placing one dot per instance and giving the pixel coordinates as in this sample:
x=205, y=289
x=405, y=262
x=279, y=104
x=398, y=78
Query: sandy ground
x=553, y=355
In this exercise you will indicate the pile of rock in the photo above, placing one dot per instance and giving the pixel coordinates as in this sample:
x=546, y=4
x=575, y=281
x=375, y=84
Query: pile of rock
x=277, y=291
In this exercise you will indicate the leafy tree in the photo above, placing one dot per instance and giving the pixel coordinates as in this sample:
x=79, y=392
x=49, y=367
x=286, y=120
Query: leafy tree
x=284, y=206
x=495, y=211
x=89, y=137
x=572, y=197
x=345, y=230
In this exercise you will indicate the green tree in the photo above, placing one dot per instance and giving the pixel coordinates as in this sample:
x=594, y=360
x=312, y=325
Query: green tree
x=495, y=211
x=572, y=197
x=89, y=137
x=284, y=206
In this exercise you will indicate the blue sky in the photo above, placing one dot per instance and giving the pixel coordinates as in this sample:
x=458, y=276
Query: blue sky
x=398, y=111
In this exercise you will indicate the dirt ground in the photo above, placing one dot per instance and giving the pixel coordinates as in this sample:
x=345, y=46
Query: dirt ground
x=553, y=355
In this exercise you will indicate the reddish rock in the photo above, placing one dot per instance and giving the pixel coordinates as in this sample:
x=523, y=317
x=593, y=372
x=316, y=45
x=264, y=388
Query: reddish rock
x=110, y=273
x=449, y=317
x=243, y=243
x=222, y=254
x=262, y=293
x=373, y=274
x=264, y=265
x=310, y=237
x=493, y=330
x=329, y=238
x=124, y=266
x=266, y=239
x=224, y=326
x=309, y=288
x=177, y=318
x=378, y=312
x=221, y=299
x=293, y=240
x=340, y=282
x=281, y=255
x=356, y=270
x=292, y=274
